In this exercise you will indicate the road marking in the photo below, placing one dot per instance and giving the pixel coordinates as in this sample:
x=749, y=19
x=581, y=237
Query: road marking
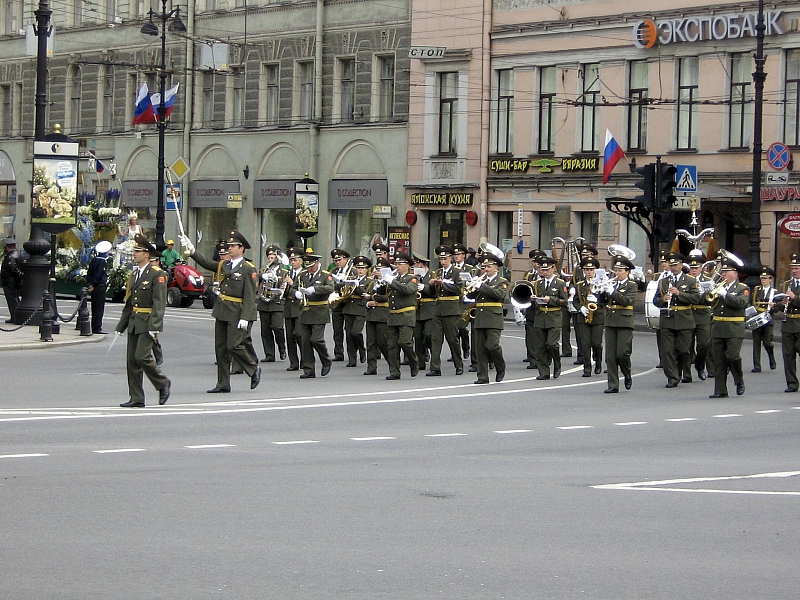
x=373, y=439
x=513, y=431
x=577, y=427
x=658, y=486
x=211, y=446
x=294, y=442
x=32, y=455
x=118, y=450
x=632, y=423
x=766, y=412
x=679, y=420
x=444, y=434
x=725, y=416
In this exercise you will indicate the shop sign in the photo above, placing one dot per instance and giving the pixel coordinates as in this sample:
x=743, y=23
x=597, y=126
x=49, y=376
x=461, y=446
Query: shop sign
x=780, y=194
x=647, y=32
x=382, y=211
x=442, y=199
x=545, y=165
x=140, y=194
x=276, y=193
x=212, y=194
x=399, y=240
x=790, y=225
x=349, y=194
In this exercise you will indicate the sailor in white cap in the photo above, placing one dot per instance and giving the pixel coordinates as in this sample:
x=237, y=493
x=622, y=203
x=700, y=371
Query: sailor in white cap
x=97, y=279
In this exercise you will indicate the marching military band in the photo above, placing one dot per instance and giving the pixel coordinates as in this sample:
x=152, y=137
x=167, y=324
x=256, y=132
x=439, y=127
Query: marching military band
x=404, y=311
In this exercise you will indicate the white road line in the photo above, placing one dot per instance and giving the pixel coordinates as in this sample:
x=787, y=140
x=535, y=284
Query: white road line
x=577, y=427
x=117, y=450
x=767, y=412
x=654, y=486
x=293, y=442
x=679, y=420
x=33, y=455
x=513, y=431
x=373, y=439
x=444, y=434
x=632, y=423
x=211, y=446
x=725, y=416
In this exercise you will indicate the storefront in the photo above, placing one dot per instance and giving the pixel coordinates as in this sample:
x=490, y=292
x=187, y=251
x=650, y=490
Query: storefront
x=447, y=216
x=8, y=196
x=274, y=201
x=350, y=202
x=784, y=203
x=216, y=208
x=141, y=198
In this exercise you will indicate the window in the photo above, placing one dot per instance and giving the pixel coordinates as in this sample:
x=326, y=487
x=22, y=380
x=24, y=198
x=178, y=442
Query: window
x=448, y=109
x=304, y=94
x=111, y=11
x=545, y=230
x=12, y=16
x=237, y=118
x=347, y=89
x=271, y=93
x=107, y=105
x=637, y=115
x=688, y=83
x=5, y=100
x=741, y=107
x=590, y=108
x=792, y=99
x=19, y=107
x=74, y=87
x=77, y=12
x=547, y=110
x=132, y=86
x=386, y=88
x=589, y=224
x=504, y=116
x=208, y=99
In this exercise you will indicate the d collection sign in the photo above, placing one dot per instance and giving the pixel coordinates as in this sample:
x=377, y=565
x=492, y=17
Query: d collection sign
x=647, y=32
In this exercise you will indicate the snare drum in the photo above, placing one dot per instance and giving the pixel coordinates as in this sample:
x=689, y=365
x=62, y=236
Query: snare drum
x=652, y=314
x=757, y=321
x=750, y=312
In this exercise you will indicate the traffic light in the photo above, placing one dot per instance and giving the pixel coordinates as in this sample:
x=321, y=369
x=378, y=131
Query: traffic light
x=666, y=185
x=647, y=185
x=664, y=226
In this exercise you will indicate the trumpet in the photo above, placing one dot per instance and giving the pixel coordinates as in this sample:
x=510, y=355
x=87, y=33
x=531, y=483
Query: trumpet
x=474, y=284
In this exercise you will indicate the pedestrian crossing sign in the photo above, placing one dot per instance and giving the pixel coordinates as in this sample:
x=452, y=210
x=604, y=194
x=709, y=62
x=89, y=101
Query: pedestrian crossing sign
x=686, y=178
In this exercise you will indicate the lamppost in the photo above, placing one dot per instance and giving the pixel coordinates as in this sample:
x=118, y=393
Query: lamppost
x=755, y=203
x=150, y=28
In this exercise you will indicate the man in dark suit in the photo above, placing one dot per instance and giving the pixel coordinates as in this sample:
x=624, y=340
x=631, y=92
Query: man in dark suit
x=488, y=324
x=354, y=309
x=728, y=306
x=143, y=318
x=234, y=311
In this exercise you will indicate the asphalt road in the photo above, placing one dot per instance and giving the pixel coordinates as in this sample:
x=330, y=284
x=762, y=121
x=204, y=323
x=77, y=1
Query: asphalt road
x=356, y=487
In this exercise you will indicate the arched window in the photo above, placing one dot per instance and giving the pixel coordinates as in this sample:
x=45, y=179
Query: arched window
x=74, y=100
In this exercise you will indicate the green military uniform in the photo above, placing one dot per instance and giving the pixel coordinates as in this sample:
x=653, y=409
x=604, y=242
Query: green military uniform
x=337, y=313
x=790, y=328
x=314, y=315
x=677, y=322
x=464, y=325
x=426, y=312
x=530, y=314
x=547, y=323
x=761, y=299
x=377, y=316
x=447, y=318
x=354, y=310
x=727, y=335
x=619, y=298
x=590, y=321
x=402, y=319
x=143, y=313
x=291, y=314
x=271, y=310
x=488, y=325
x=701, y=339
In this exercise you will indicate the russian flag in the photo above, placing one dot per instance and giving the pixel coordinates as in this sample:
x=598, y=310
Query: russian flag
x=169, y=95
x=143, y=113
x=99, y=167
x=612, y=154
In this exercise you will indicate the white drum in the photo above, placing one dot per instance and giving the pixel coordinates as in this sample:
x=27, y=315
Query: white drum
x=757, y=321
x=750, y=312
x=651, y=312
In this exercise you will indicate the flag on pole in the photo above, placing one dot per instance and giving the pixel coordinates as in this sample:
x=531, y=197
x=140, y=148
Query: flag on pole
x=170, y=94
x=612, y=154
x=143, y=113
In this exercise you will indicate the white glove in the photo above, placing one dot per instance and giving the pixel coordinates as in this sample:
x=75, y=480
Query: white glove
x=242, y=324
x=420, y=287
x=118, y=333
x=339, y=277
x=310, y=290
x=265, y=276
x=584, y=311
x=298, y=294
x=153, y=334
x=591, y=298
x=722, y=292
x=609, y=288
x=571, y=293
x=388, y=279
x=187, y=244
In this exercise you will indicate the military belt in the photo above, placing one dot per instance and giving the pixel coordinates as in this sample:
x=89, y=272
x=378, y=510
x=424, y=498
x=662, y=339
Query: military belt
x=147, y=311
x=382, y=305
x=545, y=309
x=231, y=298
x=687, y=307
x=700, y=307
x=489, y=304
x=396, y=311
x=797, y=316
x=427, y=299
x=317, y=303
x=619, y=307
x=449, y=298
x=731, y=319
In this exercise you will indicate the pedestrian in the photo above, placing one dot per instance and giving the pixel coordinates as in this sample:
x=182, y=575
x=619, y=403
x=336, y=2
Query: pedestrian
x=11, y=276
x=701, y=337
x=143, y=318
x=619, y=295
x=728, y=304
x=97, y=278
x=343, y=272
x=488, y=325
x=234, y=311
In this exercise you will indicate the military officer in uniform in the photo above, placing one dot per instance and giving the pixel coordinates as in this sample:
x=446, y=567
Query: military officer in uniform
x=381, y=252
x=446, y=282
x=701, y=338
x=314, y=285
x=728, y=304
x=530, y=313
x=403, y=289
x=143, y=318
x=354, y=310
x=550, y=292
x=675, y=296
x=344, y=271
x=488, y=324
x=291, y=308
x=591, y=318
x=662, y=261
x=377, y=302
x=234, y=311
x=270, y=307
x=619, y=297
x=426, y=310
x=790, y=328
x=459, y=262
x=762, y=301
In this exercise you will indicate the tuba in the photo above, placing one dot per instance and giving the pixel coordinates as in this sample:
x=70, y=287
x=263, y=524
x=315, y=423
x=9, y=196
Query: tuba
x=569, y=258
x=623, y=251
x=522, y=294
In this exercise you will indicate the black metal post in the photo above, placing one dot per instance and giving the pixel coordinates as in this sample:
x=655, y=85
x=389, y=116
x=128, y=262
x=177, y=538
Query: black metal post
x=758, y=106
x=46, y=325
x=162, y=127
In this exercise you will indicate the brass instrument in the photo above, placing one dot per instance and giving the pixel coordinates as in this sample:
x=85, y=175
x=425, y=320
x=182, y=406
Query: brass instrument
x=620, y=250
x=339, y=298
x=473, y=285
x=522, y=294
x=272, y=270
x=570, y=257
x=468, y=314
x=716, y=274
x=592, y=307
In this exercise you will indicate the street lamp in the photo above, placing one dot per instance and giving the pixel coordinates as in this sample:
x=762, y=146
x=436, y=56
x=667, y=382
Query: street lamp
x=150, y=28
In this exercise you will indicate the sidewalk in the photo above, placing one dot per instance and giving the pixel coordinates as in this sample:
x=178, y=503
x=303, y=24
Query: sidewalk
x=28, y=338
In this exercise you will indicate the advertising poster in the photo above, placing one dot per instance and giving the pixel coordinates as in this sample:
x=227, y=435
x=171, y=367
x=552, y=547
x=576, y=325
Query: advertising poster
x=399, y=241
x=306, y=212
x=55, y=190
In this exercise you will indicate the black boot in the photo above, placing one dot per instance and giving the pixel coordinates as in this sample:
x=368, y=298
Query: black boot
x=771, y=354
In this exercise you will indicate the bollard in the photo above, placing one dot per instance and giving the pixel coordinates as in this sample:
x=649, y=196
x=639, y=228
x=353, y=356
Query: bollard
x=46, y=324
x=83, y=315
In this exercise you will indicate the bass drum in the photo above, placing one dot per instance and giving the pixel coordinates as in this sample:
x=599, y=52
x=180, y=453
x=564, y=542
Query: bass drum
x=651, y=311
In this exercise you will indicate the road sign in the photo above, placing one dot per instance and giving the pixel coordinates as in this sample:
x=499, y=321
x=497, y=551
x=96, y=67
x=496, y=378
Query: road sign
x=778, y=156
x=687, y=203
x=174, y=196
x=426, y=52
x=180, y=167
x=686, y=178
x=776, y=178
